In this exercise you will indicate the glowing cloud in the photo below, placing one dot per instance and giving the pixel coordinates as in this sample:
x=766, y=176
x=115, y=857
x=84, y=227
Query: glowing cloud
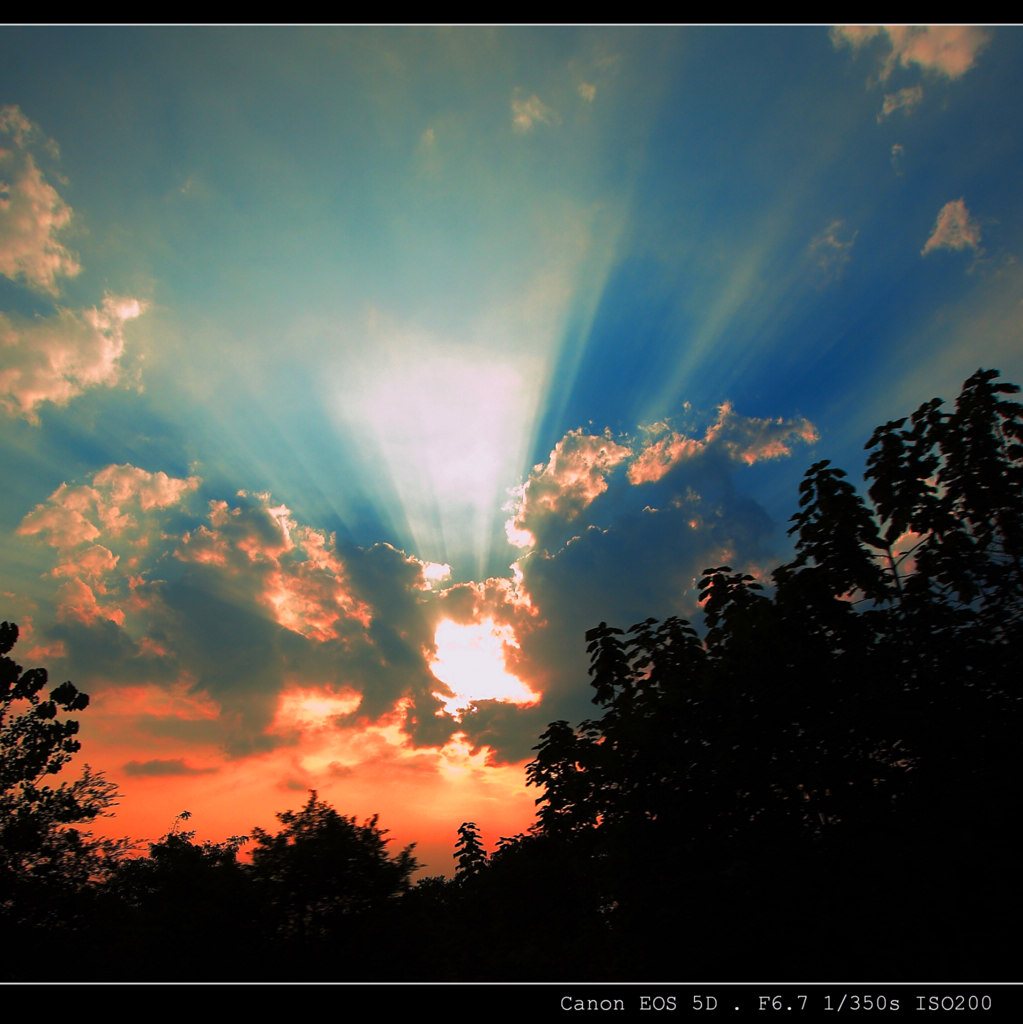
x=948, y=50
x=310, y=708
x=77, y=513
x=954, y=229
x=53, y=359
x=575, y=474
x=293, y=570
x=32, y=214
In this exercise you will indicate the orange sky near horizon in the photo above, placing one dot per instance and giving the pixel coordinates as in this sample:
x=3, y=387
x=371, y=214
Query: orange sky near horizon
x=421, y=794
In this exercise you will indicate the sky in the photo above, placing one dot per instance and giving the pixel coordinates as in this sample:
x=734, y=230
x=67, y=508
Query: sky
x=348, y=375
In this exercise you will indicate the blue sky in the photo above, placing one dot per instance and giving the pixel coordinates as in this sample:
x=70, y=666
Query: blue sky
x=340, y=367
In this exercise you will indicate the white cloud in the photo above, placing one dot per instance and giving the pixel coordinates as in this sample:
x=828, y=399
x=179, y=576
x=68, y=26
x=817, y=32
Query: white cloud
x=954, y=229
x=32, y=214
x=53, y=359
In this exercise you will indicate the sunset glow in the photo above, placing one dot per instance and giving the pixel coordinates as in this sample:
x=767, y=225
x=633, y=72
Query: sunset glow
x=349, y=375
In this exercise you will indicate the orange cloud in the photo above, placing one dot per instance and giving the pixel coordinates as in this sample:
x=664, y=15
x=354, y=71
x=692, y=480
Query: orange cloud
x=574, y=476
x=77, y=600
x=93, y=561
x=293, y=569
x=949, y=50
x=745, y=439
x=128, y=483
x=113, y=504
x=53, y=359
x=658, y=458
x=953, y=229
x=32, y=214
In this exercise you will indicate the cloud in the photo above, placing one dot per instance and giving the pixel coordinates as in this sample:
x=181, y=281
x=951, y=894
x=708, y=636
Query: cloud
x=897, y=156
x=242, y=629
x=531, y=111
x=112, y=505
x=949, y=50
x=53, y=359
x=954, y=229
x=32, y=214
x=617, y=529
x=92, y=562
x=294, y=571
x=831, y=251
x=904, y=100
x=575, y=474
x=77, y=601
x=742, y=440
x=165, y=766
x=50, y=358
x=578, y=471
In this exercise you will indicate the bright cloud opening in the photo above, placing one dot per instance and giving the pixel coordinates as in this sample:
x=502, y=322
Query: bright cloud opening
x=470, y=659
x=311, y=708
x=447, y=430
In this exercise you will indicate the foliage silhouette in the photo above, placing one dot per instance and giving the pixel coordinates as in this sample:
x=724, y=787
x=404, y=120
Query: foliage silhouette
x=38, y=847
x=51, y=869
x=469, y=852
x=186, y=909
x=819, y=779
x=323, y=868
x=851, y=715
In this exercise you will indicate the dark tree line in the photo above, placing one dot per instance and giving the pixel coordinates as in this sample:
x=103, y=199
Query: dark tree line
x=817, y=779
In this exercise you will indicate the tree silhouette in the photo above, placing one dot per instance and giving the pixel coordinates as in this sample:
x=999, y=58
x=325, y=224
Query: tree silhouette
x=36, y=840
x=860, y=699
x=469, y=852
x=323, y=868
x=50, y=870
x=187, y=910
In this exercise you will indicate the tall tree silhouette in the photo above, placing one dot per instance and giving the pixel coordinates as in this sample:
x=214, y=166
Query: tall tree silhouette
x=469, y=851
x=50, y=866
x=860, y=698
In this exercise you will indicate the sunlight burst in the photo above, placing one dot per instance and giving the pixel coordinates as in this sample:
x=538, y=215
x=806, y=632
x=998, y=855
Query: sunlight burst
x=471, y=660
